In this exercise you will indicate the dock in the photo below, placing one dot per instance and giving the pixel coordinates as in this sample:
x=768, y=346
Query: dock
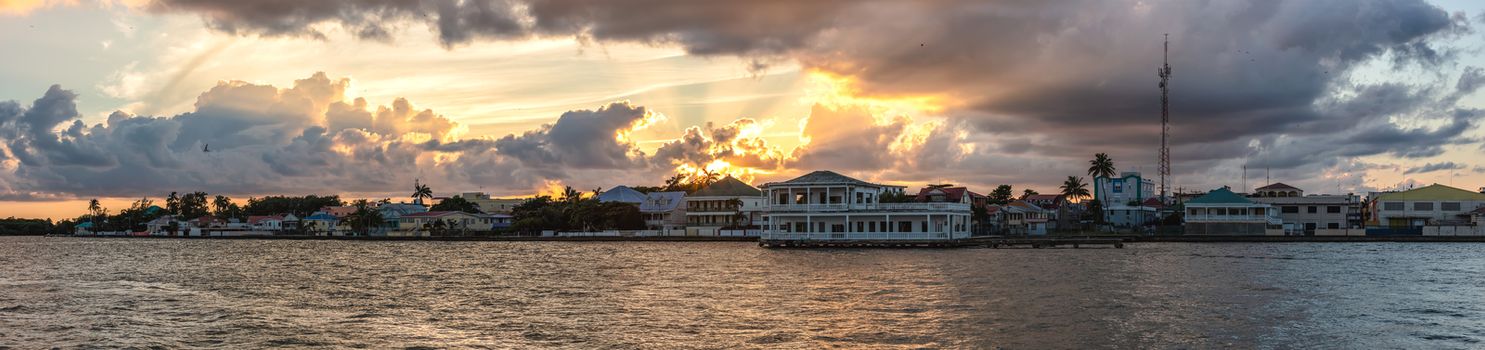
x=989, y=241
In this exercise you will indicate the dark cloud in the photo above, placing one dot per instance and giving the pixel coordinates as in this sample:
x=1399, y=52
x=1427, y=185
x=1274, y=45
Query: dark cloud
x=1432, y=167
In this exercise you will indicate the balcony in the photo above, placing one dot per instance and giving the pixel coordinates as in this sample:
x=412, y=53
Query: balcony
x=894, y=207
x=862, y=236
x=1233, y=218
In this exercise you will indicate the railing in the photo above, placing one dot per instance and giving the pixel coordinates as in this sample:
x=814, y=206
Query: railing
x=1231, y=218
x=873, y=206
x=875, y=236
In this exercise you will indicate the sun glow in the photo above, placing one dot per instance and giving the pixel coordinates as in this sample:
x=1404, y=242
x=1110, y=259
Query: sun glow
x=836, y=91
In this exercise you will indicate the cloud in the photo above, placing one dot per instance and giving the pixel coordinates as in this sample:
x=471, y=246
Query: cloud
x=1432, y=167
x=303, y=139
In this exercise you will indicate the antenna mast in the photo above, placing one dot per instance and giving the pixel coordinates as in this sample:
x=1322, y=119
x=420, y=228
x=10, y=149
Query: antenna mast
x=1165, y=119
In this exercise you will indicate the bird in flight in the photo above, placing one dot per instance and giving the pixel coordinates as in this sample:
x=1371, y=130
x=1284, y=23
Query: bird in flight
x=206, y=148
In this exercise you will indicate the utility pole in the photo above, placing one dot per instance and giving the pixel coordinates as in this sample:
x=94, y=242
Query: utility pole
x=1165, y=119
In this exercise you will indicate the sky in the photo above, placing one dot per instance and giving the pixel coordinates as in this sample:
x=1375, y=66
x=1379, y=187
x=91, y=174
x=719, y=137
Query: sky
x=118, y=99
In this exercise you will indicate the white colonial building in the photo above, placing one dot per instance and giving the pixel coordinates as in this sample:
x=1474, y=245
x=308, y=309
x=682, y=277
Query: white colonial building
x=727, y=207
x=824, y=205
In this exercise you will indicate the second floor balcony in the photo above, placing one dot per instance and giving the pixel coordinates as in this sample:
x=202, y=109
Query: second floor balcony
x=889, y=207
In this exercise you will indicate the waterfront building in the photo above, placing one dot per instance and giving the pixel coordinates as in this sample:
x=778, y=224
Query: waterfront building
x=392, y=214
x=824, y=205
x=1061, y=213
x=1433, y=205
x=1126, y=216
x=320, y=223
x=266, y=222
x=1129, y=189
x=1022, y=218
x=424, y=223
x=501, y=221
x=1305, y=214
x=950, y=195
x=728, y=207
x=339, y=211
x=1222, y=212
x=622, y=194
x=665, y=212
x=491, y=205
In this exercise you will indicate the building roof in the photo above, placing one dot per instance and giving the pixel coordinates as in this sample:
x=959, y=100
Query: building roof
x=441, y=213
x=662, y=201
x=824, y=177
x=1277, y=186
x=1433, y=192
x=255, y=219
x=1153, y=203
x=951, y=194
x=395, y=210
x=321, y=217
x=728, y=187
x=339, y=211
x=622, y=194
x=1220, y=196
x=1023, y=206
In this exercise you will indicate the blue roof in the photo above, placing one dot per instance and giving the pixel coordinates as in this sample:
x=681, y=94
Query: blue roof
x=621, y=194
x=322, y=216
x=85, y=224
x=662, y=201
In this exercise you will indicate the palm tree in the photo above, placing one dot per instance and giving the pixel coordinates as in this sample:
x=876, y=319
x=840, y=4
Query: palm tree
x=1074, y=188
x=1028, y=193
x=220, y=205
x=421, y=191
x=94, y=208
x=1101, y=166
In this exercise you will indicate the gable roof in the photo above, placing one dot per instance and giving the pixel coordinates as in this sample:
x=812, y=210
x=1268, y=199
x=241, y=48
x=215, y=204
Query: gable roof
x=1433, y=192
x=951, y=194
x=441, y=213
x=1220, y=196
x=1153, y=203
x=825, y=177
x=662, y=201
x=1277, y=186
x=621, y=194
x=1045, y=197
x=255, y=219
x=728, y=187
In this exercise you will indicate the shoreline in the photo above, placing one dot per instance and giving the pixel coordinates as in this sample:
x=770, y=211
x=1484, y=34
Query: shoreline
x=1125, y=238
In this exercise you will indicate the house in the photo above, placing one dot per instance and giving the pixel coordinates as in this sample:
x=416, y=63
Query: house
x=824, y=205
x=1222, y=212
x=1304, y=214
x=270, y=223
x=950, y=195
x=339, y=211
x=1433, y=205
x=728, y=204
x=320, y=224
x=491, y=205
x=501, y=221
x=290, y=222
x=1130, y=189
x=162, y=225
x=622, y=194
x=426, y=223
x=1277, y=190
x=1125, y=216
x=1061, y=213
x=207, y=222
x=1023, y=218
x=666, y=212
x=392, y=216
x=83, y=228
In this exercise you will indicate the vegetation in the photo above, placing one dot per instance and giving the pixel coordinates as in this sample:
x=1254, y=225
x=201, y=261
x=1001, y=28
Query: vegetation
x=575, y=212
x=1028, y=193
x=298, y=206
x=1101, y=166
x=456, y=204
x=420, y=192
x=13, y=226
x=364, y=219
x=1001, y=195
x=895, y=196
x=1074, y=188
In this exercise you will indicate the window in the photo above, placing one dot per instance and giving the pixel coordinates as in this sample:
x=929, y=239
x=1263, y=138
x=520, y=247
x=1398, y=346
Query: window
x=1392, y=206
x=904, y=226
x=860, y=226
x=1334, y=209
x=1449, y=206
x=1333, y=225
x=872, y=226
x=925, y=226
x=1309, y=226
x=1313, y=209
x=859, y=197
x=1423, y=206
x=822, y=227
x=1289, y=209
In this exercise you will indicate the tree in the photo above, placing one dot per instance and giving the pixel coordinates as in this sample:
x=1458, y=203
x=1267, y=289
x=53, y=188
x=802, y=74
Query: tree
x=221, y=206
x=94, y=208
x=457, y=204
x=1028, y=193
x=364, y=218
x=193, y=205
x=299, y=206
x=1095, y=211
x=172, y=204
x=1001, y=195
x=1101, y=166
x=1074, y=188
x=421, y=191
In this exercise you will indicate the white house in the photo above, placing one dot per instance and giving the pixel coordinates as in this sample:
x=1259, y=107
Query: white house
x=665, y=212
x=422, y=224
x=824, y=205
x=726, y=207
x=1222, y=212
